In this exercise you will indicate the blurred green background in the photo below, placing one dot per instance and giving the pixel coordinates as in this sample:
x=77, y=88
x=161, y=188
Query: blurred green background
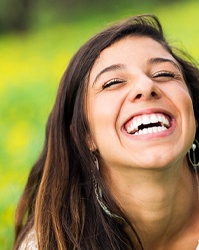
x=37, y=40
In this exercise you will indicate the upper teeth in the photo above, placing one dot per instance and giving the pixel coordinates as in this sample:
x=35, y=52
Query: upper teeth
x=147, y=119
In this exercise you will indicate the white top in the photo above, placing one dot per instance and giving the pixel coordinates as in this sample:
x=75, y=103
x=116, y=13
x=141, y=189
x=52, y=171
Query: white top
x=30, y=242
x=197, y=248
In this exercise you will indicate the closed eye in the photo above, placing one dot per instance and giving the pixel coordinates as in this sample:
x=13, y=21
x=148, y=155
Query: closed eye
x=112, y=82
x=164, y=74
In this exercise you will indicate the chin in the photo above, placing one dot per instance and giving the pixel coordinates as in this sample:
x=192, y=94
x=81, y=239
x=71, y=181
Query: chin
x=157, y=162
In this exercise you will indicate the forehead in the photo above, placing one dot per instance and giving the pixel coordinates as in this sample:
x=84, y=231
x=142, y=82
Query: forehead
x=135, y=50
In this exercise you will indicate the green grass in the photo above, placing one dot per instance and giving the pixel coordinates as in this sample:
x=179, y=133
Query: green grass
x=31, y=66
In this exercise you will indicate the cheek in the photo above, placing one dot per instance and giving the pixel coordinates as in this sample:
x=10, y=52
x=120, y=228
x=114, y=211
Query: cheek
x=179, y=95
x=103, y=108
x=102, y=116
x=188, y=117
x=188, y=104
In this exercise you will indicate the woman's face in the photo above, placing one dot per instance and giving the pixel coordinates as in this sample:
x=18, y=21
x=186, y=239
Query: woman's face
x=139, y=108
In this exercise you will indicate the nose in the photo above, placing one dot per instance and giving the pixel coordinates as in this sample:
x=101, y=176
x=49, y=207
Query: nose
x=144, y=88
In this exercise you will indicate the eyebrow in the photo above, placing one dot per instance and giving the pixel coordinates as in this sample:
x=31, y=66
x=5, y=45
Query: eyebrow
x=119, y=66
x=108, y=69
x=157, y=60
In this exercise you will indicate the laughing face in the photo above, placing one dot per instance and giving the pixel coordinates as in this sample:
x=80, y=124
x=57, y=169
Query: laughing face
x=139, y=108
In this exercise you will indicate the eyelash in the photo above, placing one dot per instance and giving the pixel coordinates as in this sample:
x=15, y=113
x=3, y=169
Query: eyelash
x=112, y=82
x=156, y=75
x=164, y=74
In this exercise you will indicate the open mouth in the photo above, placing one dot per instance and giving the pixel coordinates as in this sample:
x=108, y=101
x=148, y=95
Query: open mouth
x=148, y=124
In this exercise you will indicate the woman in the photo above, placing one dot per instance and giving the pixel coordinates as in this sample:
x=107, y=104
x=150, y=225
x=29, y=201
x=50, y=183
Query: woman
x=119, y=165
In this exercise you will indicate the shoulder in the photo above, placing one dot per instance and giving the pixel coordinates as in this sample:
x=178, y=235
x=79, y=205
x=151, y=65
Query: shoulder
x=29, y=242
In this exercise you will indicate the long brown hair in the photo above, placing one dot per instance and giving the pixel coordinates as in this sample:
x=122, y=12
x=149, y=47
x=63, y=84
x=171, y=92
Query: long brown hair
x=59, y=199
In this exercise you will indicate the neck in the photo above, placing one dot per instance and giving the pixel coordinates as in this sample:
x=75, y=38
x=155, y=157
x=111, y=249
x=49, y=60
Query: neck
x=162, y=203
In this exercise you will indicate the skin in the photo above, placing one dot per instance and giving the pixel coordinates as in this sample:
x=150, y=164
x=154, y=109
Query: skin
x=148, y=175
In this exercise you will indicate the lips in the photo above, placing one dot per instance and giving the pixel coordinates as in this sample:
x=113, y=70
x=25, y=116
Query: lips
x=148, y=124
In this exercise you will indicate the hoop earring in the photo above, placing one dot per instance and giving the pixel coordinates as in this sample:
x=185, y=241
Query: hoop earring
x=192, y=159
x=99, y=196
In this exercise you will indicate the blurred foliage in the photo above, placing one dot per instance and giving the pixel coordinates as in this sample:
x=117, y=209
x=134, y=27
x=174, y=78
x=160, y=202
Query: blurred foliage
x=17, y=15
x=30, y=68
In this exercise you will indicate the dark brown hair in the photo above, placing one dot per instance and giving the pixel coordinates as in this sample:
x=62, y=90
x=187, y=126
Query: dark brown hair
x=59, y=198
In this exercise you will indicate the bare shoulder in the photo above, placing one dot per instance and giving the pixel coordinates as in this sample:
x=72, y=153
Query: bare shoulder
x=29, y=242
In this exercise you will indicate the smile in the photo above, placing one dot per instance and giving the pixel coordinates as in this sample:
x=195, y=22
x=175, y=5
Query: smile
x=148, y=124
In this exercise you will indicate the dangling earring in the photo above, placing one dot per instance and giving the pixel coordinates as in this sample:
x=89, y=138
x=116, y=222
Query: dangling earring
x=98, y=194
x=96, y=162
x=192, y=159
x=195, y=165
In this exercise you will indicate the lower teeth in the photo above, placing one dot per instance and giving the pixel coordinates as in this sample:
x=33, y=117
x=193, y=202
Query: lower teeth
x=150, y=130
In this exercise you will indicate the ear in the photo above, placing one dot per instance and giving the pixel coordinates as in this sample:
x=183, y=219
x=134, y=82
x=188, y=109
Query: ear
x=89, y=141
x=91, y=144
